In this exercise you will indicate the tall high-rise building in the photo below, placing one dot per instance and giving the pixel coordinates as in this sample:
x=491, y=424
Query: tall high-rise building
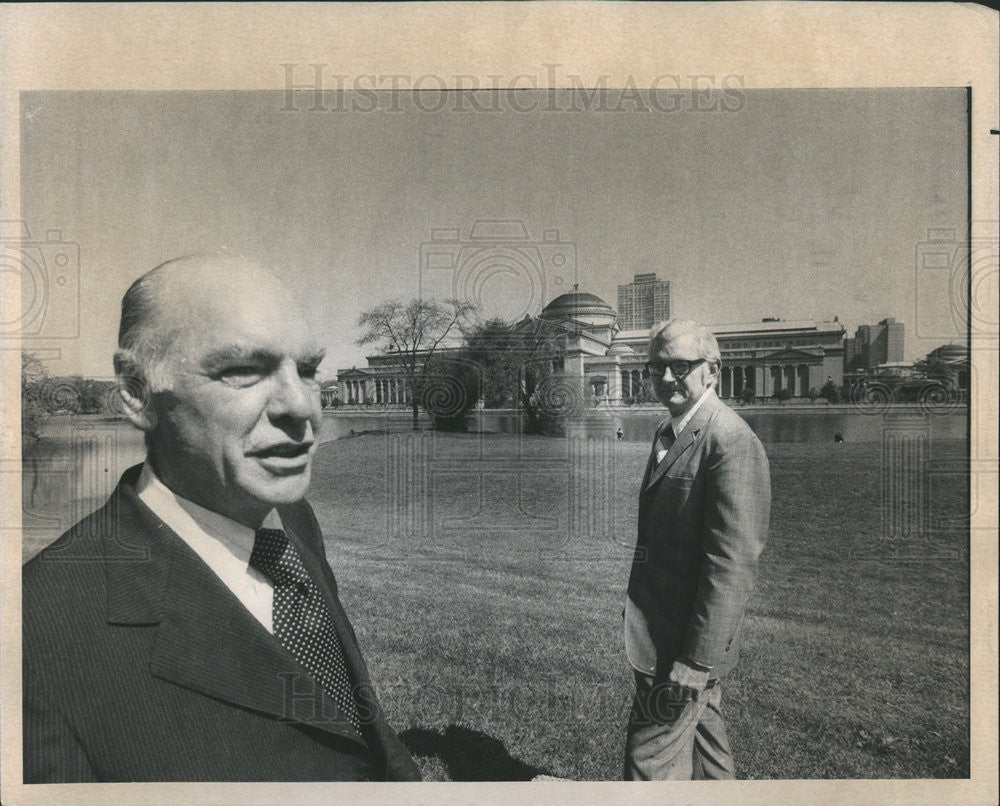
x=873, y=345
x=643, y=302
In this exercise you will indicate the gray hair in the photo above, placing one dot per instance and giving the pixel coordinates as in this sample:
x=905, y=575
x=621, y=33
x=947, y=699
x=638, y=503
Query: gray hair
x=143, y=340
x=708, y=346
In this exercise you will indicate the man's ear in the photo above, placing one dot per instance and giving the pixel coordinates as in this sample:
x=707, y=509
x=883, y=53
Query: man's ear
x=133, y=397
x=714, y=369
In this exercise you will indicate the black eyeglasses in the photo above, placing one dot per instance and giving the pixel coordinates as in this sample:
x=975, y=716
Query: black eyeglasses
x=679, y=368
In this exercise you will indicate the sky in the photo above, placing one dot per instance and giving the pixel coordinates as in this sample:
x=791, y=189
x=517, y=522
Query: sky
x=799, y=204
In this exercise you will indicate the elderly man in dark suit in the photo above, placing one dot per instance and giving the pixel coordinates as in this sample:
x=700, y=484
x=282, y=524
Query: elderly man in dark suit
x=191, y=630
x=704, y=508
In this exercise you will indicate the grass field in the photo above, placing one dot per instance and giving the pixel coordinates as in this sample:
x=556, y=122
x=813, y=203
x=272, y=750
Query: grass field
x=495, y=638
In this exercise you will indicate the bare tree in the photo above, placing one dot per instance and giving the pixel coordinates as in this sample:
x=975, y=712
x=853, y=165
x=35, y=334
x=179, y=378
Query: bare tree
x=412, y=331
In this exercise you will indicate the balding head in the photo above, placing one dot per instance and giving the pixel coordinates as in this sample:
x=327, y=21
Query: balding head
x=167, y=301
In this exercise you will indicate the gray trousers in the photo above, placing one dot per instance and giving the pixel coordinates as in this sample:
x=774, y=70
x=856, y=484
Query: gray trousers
x=672, y=739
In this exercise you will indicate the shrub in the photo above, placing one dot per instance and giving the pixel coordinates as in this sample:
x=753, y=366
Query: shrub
x=830, y=392
x=783, y=394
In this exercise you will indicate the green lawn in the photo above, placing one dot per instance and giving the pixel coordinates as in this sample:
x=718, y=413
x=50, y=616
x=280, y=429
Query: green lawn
x=495, y=637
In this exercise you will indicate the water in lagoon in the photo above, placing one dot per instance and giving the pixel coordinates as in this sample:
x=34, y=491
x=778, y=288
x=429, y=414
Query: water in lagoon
x=812, y=425
x=73, y=469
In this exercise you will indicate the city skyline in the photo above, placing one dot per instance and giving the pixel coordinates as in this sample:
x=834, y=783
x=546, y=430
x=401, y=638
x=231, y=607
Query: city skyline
x=800, y=204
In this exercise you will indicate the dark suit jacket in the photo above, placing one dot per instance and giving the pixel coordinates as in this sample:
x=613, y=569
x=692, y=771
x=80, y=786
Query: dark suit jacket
x=703, y=521
x=140, y=665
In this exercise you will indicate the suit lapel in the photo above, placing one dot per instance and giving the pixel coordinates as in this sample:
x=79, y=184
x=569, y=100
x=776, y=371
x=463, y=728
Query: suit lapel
x=688, y=437
x=651, y=461
x=206, y=640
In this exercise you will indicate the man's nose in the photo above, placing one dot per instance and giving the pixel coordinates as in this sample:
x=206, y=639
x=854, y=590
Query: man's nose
x=668, y=374
x=292, y=397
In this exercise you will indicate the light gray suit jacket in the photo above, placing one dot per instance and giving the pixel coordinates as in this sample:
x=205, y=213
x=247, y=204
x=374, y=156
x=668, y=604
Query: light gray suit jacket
x=703, y=521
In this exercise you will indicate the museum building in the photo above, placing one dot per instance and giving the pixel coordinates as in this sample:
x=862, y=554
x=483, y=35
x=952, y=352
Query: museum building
x=765, y=357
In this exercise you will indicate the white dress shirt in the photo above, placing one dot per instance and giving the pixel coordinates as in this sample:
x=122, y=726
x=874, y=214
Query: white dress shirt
x=680, y=424
x=221, y=542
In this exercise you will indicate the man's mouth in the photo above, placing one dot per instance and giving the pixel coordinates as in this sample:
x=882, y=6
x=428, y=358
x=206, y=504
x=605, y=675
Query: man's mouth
x=285, y=459
x=284, y=450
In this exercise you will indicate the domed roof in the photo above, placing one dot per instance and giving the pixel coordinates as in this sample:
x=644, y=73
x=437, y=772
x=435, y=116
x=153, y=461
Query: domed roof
x=951, y=353
x=620, y=348
x=577, y=302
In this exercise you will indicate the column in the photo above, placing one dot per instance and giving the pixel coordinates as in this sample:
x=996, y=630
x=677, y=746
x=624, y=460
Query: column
x=615, y=385
x=726, y=382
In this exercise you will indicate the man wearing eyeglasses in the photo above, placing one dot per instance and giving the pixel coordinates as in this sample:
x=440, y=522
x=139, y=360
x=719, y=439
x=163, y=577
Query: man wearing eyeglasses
x=704, y=508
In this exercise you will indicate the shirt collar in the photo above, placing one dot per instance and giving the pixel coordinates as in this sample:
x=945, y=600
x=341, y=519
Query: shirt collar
x=187, y=518
x=679, y=426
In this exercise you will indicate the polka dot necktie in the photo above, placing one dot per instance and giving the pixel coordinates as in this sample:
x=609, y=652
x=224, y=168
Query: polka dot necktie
x=302, y=621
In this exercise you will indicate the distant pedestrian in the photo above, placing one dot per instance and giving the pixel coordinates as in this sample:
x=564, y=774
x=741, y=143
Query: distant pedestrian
x=838, y=437
x=620, y=433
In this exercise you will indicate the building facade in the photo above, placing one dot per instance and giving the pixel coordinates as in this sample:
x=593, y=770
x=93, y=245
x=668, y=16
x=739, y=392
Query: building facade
x=873, y=345
x=762, y=358
x=759, y=359
x=643, y=302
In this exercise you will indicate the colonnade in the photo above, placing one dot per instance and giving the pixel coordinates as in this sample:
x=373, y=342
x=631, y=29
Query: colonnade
x=378, y=390
x=392, y=390
x=766, y=379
